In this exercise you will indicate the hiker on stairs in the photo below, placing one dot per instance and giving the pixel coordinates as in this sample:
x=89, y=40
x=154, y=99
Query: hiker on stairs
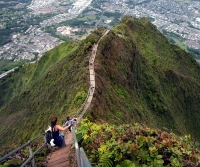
x=58, y=138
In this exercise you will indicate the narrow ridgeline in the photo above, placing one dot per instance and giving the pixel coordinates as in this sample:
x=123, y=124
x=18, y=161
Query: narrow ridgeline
x=139, y=77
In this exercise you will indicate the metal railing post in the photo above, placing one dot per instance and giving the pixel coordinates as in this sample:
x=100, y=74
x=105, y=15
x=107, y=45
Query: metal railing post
x=76, y=148
x=31, y=155
x=84, y=158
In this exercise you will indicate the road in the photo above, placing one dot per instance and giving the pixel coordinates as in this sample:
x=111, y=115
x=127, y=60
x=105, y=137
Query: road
x=5, y=73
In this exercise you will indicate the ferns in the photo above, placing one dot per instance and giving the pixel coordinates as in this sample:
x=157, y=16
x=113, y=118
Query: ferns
x=105, y=161
x=126, y=163
x=130, y=146
x=79, y=136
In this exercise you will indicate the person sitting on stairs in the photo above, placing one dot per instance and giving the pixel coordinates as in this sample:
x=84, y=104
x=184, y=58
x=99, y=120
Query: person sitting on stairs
x=58, y=138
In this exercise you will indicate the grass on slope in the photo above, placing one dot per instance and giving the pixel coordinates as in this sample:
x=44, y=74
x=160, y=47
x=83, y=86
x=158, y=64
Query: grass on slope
x=156, y=48
x=51, y=87
x=141, y=77
x=6, y=65
x=22, y=78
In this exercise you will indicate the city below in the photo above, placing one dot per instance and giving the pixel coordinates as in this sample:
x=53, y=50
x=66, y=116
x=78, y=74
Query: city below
x=181, y=19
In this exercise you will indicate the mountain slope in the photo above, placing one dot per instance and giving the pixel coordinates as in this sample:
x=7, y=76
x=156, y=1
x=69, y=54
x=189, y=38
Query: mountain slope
x=140, y=77
x=50, y=87
x=22, y=78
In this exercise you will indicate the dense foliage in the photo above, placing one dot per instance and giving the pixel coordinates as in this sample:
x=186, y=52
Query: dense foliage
x=135, y=145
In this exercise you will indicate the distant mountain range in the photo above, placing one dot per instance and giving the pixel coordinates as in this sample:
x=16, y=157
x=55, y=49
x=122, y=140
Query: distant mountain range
x=140, y=77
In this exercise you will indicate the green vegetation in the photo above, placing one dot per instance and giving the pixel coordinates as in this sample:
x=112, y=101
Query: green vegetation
x=12, y=162
x=144, y=78
x=31, y=72
x=115, y=17
x=140, y=77
x=178, y=40
x=11, y=18
x=135, y=145
x=6, y=65
x=85, y=18
x=55, y=85
x=80, y=23
x=39, y=157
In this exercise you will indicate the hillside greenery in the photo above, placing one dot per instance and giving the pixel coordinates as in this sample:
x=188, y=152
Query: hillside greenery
x=31, y=72
x=6, y=65
x=55, y=85
x=135, y=145
x=139, y=76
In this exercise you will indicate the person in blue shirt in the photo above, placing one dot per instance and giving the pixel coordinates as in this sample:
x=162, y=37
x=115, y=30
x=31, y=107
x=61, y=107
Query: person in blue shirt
x=55, y=128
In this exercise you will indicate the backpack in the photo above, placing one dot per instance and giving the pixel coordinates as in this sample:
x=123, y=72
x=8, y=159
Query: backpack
x=49, y=137
x=71, y=122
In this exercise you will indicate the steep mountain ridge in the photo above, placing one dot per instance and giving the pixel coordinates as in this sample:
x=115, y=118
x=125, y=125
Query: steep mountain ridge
x=54, y=86
x=140, y=77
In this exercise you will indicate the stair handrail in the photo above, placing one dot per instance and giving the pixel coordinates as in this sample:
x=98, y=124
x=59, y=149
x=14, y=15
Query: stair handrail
x=81, y=157
x=28, y=143
x=82, y=160
x=31, y=156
